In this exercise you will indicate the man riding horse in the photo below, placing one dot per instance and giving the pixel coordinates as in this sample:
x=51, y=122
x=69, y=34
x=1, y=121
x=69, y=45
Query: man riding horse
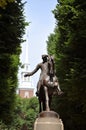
x=47, y=75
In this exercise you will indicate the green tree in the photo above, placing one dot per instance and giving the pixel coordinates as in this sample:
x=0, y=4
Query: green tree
x=24, y=115
x=12, y=27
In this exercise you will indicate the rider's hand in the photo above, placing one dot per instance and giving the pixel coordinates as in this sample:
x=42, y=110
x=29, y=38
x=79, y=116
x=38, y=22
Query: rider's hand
x=28, y=74
x=25, y=75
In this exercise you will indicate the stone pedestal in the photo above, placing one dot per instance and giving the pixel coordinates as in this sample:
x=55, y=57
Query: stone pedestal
x=48, y=120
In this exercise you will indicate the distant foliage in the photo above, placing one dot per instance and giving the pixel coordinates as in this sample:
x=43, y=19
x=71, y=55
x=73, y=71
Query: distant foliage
x=24, y=115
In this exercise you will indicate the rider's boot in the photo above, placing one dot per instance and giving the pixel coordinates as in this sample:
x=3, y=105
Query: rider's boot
x=60, y=92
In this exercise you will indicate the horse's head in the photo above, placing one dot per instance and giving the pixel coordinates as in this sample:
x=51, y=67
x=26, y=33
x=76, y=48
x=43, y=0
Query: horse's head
x=51, y=66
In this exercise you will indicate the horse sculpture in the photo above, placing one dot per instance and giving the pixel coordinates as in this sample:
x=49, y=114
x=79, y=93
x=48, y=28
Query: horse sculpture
x=49, y=87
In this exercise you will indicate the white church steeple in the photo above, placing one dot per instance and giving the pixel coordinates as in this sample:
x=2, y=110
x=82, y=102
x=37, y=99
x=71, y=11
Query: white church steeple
x=26, y=89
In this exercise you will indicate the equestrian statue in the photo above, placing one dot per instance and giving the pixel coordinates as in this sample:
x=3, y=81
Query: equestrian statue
x=48, y=84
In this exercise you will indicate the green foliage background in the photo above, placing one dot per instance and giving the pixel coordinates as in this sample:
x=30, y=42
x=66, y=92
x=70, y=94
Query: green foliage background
x=24, y=115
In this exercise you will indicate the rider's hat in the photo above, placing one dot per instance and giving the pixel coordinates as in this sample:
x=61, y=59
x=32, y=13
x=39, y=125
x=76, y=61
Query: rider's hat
x=45, y=55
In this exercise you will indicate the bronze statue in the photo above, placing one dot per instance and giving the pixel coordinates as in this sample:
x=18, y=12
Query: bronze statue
x=48, y=82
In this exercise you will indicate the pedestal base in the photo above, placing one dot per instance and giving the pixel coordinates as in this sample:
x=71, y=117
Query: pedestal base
x=48, y=120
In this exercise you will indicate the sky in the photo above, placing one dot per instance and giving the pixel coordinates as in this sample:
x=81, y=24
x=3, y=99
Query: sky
x=42, y=23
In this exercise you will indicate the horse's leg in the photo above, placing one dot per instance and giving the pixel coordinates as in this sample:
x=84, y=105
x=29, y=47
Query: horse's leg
x=40, y=108
x=50, y=100
x=44, y=105
x=46, y=99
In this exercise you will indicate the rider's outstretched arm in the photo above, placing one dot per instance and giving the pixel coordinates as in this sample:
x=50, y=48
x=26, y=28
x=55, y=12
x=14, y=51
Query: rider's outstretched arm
x=33, y=72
